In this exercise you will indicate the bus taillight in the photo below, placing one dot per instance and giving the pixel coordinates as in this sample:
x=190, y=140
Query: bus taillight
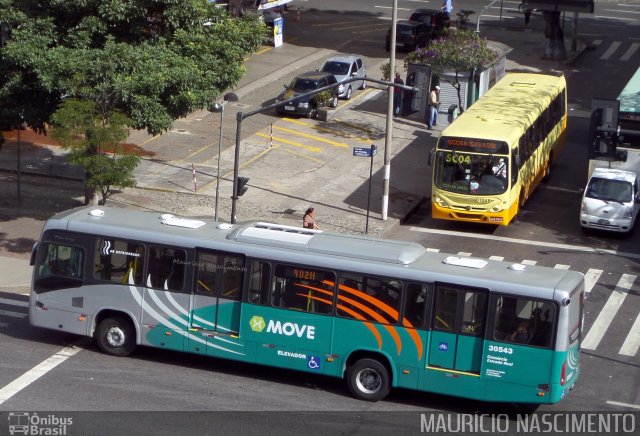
x=563, y=374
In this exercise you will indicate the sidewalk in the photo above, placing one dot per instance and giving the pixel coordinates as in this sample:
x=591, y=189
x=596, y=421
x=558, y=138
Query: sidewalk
x=286, y=175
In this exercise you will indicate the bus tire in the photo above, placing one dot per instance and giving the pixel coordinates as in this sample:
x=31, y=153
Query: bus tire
x=547, y=170
x=115, y=336
x=368, y=380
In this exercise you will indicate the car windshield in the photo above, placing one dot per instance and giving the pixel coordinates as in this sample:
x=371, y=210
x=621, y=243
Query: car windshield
x=404, y=28
x=339, y=68
x=609, y=190
x=303, y=85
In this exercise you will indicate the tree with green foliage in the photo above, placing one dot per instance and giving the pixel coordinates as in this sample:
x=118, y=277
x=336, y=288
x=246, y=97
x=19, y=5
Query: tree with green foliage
x=96, y=146
x=460, y=51
x=153, y=61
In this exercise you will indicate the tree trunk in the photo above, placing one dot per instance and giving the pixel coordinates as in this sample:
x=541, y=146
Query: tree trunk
x=554, y=37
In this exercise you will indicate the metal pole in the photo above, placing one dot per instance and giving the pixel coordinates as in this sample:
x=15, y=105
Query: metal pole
x=366, y=227
x=236, y=160
x=18, y=169
x=215, y=216
x=389, y=134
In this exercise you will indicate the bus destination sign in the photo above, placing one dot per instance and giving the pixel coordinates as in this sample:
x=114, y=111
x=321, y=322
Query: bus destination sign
x=476, y=145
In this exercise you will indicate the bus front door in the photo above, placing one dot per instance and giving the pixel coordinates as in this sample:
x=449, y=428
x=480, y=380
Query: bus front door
x=458, y=328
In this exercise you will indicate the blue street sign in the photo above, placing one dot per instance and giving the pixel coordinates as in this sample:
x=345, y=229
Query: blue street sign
x=365, y=152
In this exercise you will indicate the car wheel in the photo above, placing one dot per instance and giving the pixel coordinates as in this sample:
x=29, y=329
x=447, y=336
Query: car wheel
x=348, y=94
x=334, y=102
x=313, y=113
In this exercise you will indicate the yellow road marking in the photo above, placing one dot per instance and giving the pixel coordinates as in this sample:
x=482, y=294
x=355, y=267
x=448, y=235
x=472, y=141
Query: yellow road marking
x=253, y=159
x=340, y=23
x=198, y=151
x=295, y=144
x=314, y=137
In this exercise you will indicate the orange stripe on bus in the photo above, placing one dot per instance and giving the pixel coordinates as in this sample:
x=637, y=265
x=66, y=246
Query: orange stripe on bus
x=414, y=335
x=370, y=326
x=379, y=304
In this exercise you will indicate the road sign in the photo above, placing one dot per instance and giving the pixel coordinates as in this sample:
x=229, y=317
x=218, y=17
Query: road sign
x=365, y=152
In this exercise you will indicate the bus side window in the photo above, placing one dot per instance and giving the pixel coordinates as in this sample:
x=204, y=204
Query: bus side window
x=119, y=261
x=207, y=273
x=259, y=281
x=232, y=277
x=446, y=307
x=415, y=305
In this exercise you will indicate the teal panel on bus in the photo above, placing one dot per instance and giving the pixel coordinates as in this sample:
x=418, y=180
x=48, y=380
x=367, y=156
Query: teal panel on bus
x=513, y=363
x=442, y=350
x=228, y=319
x=452, y=382
x=469, y=353
x=287, y=338
x=163, y=337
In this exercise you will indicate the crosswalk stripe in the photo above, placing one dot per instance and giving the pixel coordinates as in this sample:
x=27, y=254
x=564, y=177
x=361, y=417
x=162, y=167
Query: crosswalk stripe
x=14, y=302
x=608, y=312
x=433, y=250
x=496, y=258
x=561, y=266
x=630, y=52
x=611, y=50
x=632, y=342
x=529, y=262
x=464, y=254
x=13, y=314
x=590, y=279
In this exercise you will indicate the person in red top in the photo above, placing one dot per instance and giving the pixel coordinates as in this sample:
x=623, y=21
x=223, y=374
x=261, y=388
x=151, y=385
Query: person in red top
x=397, y=95
x=309, y=219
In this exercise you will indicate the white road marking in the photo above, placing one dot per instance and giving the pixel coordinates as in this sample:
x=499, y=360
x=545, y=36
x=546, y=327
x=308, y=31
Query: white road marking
x=632, y=342
x=528, y=262
x=13, y=314
x=527, y=242
x=561, y=266
x=36, y=372
x=464, y=254
x=591, y=278
x=617, y=403
x=611, y=50
x=496, y=257
x=608, y=312
x=14, y=302
x=630, y=52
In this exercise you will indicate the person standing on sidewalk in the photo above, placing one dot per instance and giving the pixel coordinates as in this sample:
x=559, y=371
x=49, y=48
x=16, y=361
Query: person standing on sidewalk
x=397, y=95
x=309, y=219
x=433, y=103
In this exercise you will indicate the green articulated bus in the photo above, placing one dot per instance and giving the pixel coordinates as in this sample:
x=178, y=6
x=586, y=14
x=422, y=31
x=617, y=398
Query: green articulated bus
x=378, y=313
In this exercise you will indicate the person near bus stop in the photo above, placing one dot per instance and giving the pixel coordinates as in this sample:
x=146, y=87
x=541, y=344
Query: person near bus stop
x=397, y=95
x=309, y=219
x=433, y=103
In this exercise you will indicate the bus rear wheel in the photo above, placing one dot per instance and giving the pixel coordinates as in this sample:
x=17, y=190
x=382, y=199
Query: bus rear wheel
x=115, y=336
x=368, y=380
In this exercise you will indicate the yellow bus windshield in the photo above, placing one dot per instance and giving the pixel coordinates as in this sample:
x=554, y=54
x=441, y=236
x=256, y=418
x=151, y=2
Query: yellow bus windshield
x=469, y=173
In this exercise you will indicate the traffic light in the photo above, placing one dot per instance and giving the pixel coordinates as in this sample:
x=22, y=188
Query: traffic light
x=242, y=181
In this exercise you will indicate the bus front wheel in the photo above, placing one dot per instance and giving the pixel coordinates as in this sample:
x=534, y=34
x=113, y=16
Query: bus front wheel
x=368, y=380
x=115, y=336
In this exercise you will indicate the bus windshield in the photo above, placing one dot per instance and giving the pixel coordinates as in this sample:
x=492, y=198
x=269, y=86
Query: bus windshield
x=467, y=173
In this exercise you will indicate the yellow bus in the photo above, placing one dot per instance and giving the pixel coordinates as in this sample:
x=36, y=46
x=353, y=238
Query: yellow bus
x=490, y=159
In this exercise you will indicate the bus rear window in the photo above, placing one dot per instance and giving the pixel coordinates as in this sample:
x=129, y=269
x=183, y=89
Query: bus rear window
x=524, y=321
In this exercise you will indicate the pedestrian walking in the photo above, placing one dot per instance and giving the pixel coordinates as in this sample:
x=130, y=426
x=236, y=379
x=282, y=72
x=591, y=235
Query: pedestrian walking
x=446, y=7
x=433, y=103
x=527, y=16
x=397, y=95
x=309, y=219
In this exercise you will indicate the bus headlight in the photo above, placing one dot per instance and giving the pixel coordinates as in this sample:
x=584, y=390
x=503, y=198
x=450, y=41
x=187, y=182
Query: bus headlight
x=496, y=209
x=440, y=202
x=583, y=207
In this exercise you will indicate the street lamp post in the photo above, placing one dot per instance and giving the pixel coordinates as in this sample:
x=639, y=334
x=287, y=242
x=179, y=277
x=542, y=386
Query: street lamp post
x=219, y=108
x=389, y=125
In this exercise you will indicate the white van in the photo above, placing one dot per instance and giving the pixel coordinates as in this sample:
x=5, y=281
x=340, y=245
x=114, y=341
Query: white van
x=610, y=201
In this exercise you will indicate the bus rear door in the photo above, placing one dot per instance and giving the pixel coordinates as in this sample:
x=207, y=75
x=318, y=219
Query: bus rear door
x=458, y=328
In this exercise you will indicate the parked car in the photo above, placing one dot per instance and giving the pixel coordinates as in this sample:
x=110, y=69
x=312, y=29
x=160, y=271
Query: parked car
x=437, y=20
x=343, y=68
x=409, y=35
x=302, y=84
x=610, y=201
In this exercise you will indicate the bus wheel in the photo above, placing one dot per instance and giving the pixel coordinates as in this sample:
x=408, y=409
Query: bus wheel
x=547, y=172
x=115, y=336
x=368, y=380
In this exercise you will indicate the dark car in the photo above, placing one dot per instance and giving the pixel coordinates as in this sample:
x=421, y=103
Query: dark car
x=437, y=20
x=409, y=35
x=304, y=83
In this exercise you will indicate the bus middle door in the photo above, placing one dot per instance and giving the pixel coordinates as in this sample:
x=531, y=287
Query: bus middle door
x=458, y=328
x=215, y=306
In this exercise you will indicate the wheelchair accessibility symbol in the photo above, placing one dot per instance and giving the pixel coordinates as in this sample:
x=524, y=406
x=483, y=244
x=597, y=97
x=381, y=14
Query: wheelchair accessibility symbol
x=313, y=362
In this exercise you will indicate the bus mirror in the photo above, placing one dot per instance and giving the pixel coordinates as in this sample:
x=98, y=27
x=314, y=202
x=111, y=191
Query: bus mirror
x=430, y=160
x=566, y=301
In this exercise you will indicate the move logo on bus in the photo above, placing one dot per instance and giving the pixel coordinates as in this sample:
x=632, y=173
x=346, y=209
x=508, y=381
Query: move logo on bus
x=258, y=324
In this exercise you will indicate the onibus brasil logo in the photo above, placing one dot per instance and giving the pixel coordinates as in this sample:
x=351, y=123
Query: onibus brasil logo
x=258, y=324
